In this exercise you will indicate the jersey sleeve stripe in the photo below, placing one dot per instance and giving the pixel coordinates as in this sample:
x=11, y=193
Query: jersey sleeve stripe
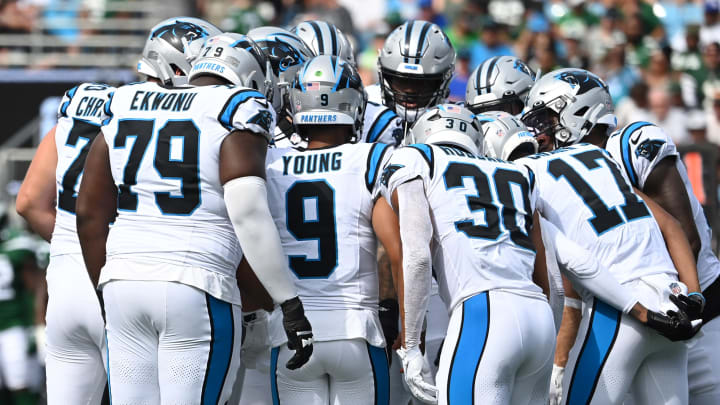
x=70, y=95
x=375, y=158
x=427, y=154
x=625, y=149
x=380, y=124
x=232, y=105
x=106, y=108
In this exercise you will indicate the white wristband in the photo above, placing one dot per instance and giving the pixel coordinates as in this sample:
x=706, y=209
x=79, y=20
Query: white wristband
x=573, y=303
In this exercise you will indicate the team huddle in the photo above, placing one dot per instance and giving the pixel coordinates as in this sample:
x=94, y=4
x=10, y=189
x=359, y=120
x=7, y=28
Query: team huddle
x=216, y=231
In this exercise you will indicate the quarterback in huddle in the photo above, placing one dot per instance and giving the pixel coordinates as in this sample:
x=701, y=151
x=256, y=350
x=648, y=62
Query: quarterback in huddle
x=252, y=225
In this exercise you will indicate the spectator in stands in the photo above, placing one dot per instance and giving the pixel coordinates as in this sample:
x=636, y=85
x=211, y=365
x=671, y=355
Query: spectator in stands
x=634, y=107
x=492, y=42
x=575, y=53
x=604, y=35
x=639, y=46
x=677, y=16
x=696, y=125
x=460, y=78
x=712, y=115
x=543, y=53
x=710, y=31
x=619, y=76
x=657, y=74
x=666, y=116
x=15, y=18
x=463, y=33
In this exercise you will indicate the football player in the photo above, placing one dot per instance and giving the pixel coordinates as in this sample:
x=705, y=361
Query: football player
x=500, y=338
x=324, y=38
x=47, y=198
x=618, y=228
x=186, y=163
x=328, y=225
x=501, y=83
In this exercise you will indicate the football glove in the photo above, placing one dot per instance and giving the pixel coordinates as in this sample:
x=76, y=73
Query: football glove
x=389, y=315
x=412, y=362
x=676, y=325
x=556, y=385
x=299, y=332
x=692, y=304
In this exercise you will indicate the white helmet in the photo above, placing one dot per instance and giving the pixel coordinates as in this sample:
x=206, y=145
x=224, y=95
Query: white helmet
x=236, y=58
x=568, y=104
x=500, y=83
x=505, y=136
x=168, y=46
x=324, y=38
x=449, y=124
x=328, y=91
x=415, y=68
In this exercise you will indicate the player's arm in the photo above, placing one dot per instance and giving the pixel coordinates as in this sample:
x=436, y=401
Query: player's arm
x=677, y=244
x=95, y=207
x=254, y=296
x=36, y=198
x=387, y=229
x=571, y=317
x=540, y=274
x=665, y=187
x=242, y=173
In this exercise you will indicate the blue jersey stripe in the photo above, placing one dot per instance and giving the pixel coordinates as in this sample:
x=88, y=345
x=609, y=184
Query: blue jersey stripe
x=601, y=335
x=381, y=374
x=469, y=350
x=221, y=349
x=427, y=153
x=380, y=124
x=373, y=166
x=107, y=369
x=232, y=105
x=106, y=108
x=273, y=375
x=70, y=94
x=625, y=149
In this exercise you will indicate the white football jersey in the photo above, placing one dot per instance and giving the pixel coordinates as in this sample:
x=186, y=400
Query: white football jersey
x=80, y=114
x=322, y=202
x=381, y=125
x=164, y=146
x=639, y=147
x=482, y=215
x=583, y=192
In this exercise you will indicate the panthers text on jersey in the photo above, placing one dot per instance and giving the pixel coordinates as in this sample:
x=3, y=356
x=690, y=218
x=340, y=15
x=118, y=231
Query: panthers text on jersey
x=482, y=216
x=322, y=202
x=639, y=147
x=164, y=146
x=80, y=114
x=583, y=192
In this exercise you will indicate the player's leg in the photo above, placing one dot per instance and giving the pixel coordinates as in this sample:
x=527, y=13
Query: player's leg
x=358, y=373
x=16, y=364
x=537, y=327
x=437, y=323
x=704, y=365
x=199, y=347
x=607, y=353
x=131, y=310
x=661, y=377
x=75, y=335
x=308, y=385
x=256, y=384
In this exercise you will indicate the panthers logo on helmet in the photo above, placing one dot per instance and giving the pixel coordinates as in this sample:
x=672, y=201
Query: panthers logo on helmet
x=173, y=33
x=584, y=79
x=263, y=119
x=649, y=149
x=388, y=172
x=523, y=68
x=282, y=54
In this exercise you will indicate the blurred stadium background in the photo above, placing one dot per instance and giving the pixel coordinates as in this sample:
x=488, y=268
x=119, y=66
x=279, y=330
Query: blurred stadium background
x=660, y=58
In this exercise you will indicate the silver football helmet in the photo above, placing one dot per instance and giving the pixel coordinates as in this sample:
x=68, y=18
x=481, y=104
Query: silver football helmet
x=328, y=91
x=500, y=83
x=415, y=68
x=287, y=53
x=170, y=43
x=505, y=136
x=567, y=104
x=324, y=38
x=236, y=58
x=448, y=124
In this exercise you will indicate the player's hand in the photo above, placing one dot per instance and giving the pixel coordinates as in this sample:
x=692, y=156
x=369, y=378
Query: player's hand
x=299, y=332
x=556, y=385
x=389, y=320
x=256, y=339
x=412, y=362
x=676, y=325
x=692, y=304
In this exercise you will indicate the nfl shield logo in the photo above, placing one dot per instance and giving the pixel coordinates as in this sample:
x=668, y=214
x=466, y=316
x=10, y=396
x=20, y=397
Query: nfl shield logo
x=675, y=288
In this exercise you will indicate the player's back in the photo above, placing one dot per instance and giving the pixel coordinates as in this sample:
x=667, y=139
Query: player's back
x=322, y=202
x=164, y=146
x=80, y=115
x=482, y=215
x=582, y=191
x=638, y=148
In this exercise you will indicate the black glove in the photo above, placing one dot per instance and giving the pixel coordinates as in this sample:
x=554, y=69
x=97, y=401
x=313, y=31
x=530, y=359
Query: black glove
x=675, y=326
x=692, y=304
x=299, y=332
x=389, y=315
